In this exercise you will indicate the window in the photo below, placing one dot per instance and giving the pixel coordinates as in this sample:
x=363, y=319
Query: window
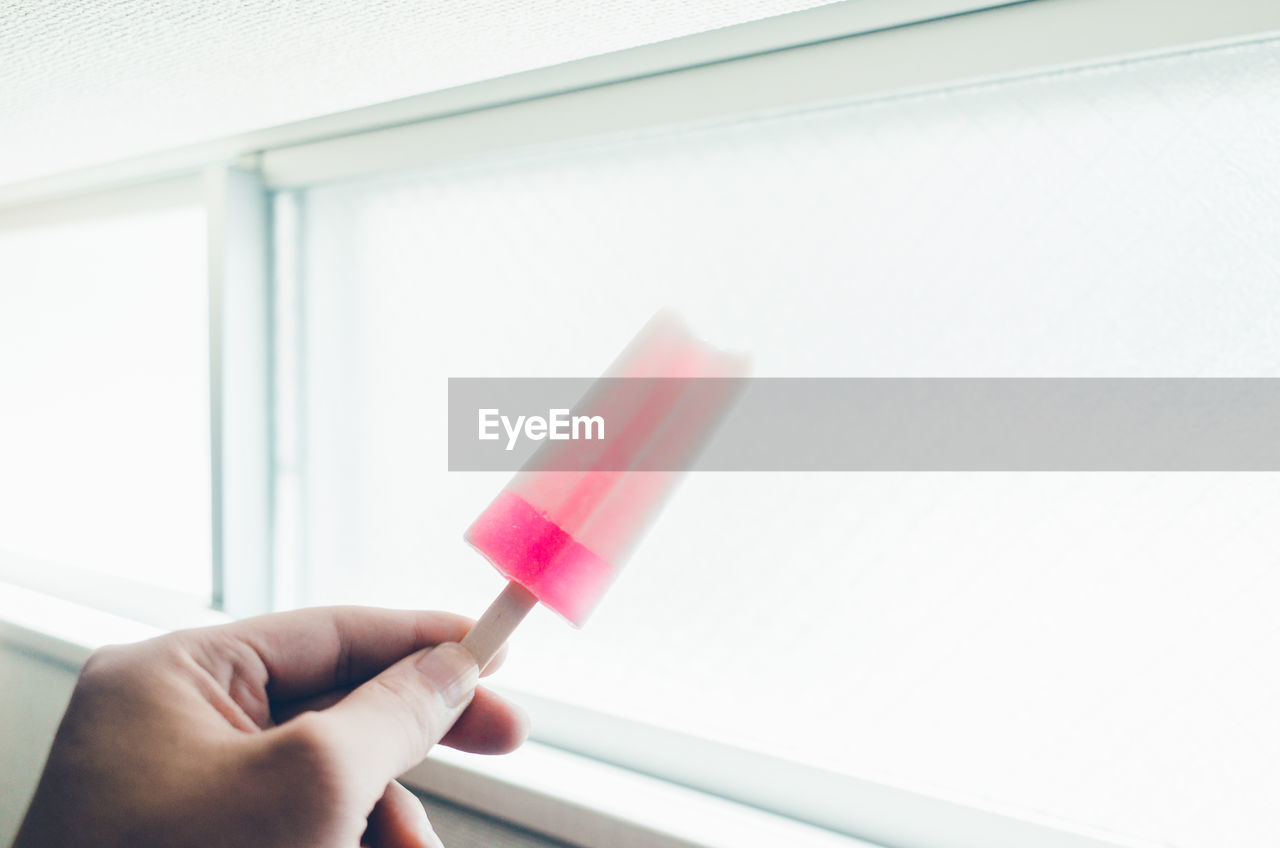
x=1090, y=656
x=1079, y=648
x=104, y=364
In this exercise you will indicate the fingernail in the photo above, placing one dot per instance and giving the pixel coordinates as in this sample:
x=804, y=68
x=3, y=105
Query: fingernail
x=452, y=672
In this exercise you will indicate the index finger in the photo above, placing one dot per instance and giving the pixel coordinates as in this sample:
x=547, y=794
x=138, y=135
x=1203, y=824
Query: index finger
x=309, y=651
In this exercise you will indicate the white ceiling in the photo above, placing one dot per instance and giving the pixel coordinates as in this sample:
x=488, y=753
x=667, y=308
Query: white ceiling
x=83, y=83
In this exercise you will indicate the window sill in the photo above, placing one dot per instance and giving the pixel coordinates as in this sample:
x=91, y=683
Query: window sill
x=564, y=796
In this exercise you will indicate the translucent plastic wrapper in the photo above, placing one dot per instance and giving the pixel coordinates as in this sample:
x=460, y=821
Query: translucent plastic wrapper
x=567, y=521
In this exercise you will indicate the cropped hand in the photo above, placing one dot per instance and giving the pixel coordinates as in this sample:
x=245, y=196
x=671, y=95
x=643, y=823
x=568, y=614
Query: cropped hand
x=279, y=731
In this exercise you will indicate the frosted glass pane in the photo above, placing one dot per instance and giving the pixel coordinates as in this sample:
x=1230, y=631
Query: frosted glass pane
x=104, y=398
x=1097, y=649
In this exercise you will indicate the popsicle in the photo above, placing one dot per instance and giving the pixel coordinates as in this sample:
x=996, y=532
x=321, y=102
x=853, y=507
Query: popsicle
x=562, y=528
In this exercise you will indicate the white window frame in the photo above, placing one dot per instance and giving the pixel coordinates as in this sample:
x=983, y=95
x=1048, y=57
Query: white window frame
x=860, y=49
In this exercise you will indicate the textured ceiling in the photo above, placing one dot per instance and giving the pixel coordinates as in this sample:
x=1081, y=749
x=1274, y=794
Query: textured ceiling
x=88, y=82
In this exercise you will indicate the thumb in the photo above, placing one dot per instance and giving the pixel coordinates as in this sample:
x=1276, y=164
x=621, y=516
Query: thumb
x=394, y=719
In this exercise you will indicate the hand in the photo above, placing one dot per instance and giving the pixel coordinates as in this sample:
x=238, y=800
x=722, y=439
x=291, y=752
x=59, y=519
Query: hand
x=284, y=730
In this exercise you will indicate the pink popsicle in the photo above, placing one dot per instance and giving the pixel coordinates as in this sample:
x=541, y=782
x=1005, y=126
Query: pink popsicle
x=561, y=536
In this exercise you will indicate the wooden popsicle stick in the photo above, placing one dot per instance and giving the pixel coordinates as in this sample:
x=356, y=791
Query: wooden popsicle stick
x=499, y=620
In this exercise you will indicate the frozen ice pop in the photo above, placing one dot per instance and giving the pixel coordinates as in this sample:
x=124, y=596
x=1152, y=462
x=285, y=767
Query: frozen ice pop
x=564, y=525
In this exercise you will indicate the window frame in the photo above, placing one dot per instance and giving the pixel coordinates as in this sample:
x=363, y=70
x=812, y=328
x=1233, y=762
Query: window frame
x=858, y=49
x=697, y=80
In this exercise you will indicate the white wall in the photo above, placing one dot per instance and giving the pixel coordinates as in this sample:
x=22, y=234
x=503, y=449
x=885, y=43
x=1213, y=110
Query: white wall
x=33, y=694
